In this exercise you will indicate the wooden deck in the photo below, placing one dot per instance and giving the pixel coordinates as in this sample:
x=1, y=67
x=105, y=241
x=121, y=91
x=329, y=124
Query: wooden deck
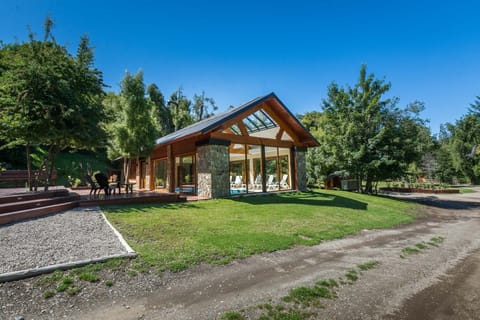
x=16, y=204
x=127, y=198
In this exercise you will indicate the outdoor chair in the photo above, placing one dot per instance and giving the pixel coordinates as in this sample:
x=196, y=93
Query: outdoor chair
x=284, y=182
x=271, y=185
x=93, y=185
x=104, y=184
x=238, y=182
x=257, y=185
x=114, y=183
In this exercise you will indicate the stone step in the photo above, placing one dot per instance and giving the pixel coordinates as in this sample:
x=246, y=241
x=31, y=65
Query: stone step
x=36, y=203
x=36, y=212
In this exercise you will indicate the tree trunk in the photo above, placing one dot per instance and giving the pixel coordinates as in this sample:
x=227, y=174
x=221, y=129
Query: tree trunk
x=473, y=180
x=29, y=167
x=127, y=170
x=48, y=168
x=53, y=160
x=368, y=185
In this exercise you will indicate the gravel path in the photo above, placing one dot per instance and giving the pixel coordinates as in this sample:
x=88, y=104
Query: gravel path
x=75, y=235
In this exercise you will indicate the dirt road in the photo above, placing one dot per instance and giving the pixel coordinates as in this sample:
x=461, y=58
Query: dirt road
x=438, y=283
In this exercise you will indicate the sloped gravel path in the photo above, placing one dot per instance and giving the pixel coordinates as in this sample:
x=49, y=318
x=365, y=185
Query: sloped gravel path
x=74, y=235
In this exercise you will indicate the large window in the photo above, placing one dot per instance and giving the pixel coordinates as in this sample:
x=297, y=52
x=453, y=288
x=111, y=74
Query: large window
x=246, y=169
x=185, y=174
x=238, y=169
x=160, y=174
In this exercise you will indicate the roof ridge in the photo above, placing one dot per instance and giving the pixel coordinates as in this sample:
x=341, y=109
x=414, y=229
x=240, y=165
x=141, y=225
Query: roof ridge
x=211, y=121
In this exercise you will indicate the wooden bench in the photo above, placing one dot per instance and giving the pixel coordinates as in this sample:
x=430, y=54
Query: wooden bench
x=21, y=176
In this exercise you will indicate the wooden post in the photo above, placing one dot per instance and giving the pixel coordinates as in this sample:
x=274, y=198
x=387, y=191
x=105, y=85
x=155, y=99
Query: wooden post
x=264, y=168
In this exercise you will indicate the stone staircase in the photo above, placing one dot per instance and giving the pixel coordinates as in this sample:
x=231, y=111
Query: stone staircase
x=31, y=205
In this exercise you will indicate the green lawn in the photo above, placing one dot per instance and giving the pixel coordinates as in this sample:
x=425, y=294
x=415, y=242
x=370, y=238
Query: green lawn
x=467, y=190
x=176, y=236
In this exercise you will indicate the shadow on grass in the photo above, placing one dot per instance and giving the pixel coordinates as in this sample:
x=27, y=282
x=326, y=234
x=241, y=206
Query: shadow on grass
x=305, y=198
x=148, y=207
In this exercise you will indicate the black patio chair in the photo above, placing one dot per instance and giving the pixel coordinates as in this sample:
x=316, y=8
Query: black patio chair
x=104, y=184
x=93, y=185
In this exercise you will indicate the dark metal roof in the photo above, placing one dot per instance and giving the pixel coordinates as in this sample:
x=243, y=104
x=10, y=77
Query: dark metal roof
x=215, y=121
x=211, y=123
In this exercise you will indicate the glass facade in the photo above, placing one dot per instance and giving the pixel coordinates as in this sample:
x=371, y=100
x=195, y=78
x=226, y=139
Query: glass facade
x=246, y=163
x=160, y=174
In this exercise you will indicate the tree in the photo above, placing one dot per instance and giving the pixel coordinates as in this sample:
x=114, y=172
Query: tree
x=165, y=120
x=202, y=106
x=49, y=97
x=134, y=131
x=367, y=134
x=465, y=140
x=444, y=169
x=317, y=165
x=179, y=107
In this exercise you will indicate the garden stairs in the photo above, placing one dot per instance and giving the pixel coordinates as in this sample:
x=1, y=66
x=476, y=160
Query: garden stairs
x=23, y=206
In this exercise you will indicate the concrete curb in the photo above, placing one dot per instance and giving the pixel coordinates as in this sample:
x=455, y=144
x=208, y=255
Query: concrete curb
x=119, y=236
x=22, y=274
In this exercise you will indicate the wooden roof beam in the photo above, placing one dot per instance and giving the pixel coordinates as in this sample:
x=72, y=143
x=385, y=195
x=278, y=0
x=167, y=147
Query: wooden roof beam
x=282, y=124
x=252, y=140
x=243, y=128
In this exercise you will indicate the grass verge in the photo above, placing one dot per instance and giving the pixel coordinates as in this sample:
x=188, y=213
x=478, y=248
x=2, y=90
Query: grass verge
x=71, y=282
x=177, y=236
x=433, y=242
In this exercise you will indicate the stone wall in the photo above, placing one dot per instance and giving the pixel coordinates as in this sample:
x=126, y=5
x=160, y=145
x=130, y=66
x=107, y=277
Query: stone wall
x=213, y=171
x=301, y=169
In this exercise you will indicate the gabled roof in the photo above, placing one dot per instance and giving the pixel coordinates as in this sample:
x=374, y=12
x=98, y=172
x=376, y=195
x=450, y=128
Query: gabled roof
x=210, y=124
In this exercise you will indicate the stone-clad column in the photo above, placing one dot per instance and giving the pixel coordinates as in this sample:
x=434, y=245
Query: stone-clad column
x=213, y=169
x=301, y=168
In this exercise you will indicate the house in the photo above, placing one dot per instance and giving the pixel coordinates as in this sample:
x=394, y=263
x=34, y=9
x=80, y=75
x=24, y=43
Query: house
x=258, y=146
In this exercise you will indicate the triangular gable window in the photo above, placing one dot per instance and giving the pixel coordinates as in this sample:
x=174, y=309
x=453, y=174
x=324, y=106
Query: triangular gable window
x=258, y=121
x=258, y=124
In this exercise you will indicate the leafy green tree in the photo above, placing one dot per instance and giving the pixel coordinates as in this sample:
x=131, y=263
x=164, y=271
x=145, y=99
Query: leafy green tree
x=444, y=170
x=180, y=110
x=134, y=130
x=203, y=107
x=50, y=97
x=164, y=116
x=366, y=134
x=318, y=166
x=465, y=141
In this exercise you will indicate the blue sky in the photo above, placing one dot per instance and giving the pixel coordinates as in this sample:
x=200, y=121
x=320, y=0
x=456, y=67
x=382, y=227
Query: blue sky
x=238, y=50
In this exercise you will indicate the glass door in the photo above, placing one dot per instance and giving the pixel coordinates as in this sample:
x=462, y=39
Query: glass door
x=185, y=174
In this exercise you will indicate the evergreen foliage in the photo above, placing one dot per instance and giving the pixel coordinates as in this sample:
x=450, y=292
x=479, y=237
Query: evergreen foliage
x=50, y=97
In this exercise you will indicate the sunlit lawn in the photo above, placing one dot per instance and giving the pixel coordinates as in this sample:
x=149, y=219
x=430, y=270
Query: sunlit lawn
x=467, y=190
x=176, y=236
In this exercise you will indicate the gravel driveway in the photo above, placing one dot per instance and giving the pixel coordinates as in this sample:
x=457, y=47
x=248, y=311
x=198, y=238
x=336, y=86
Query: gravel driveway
x=74, y=235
